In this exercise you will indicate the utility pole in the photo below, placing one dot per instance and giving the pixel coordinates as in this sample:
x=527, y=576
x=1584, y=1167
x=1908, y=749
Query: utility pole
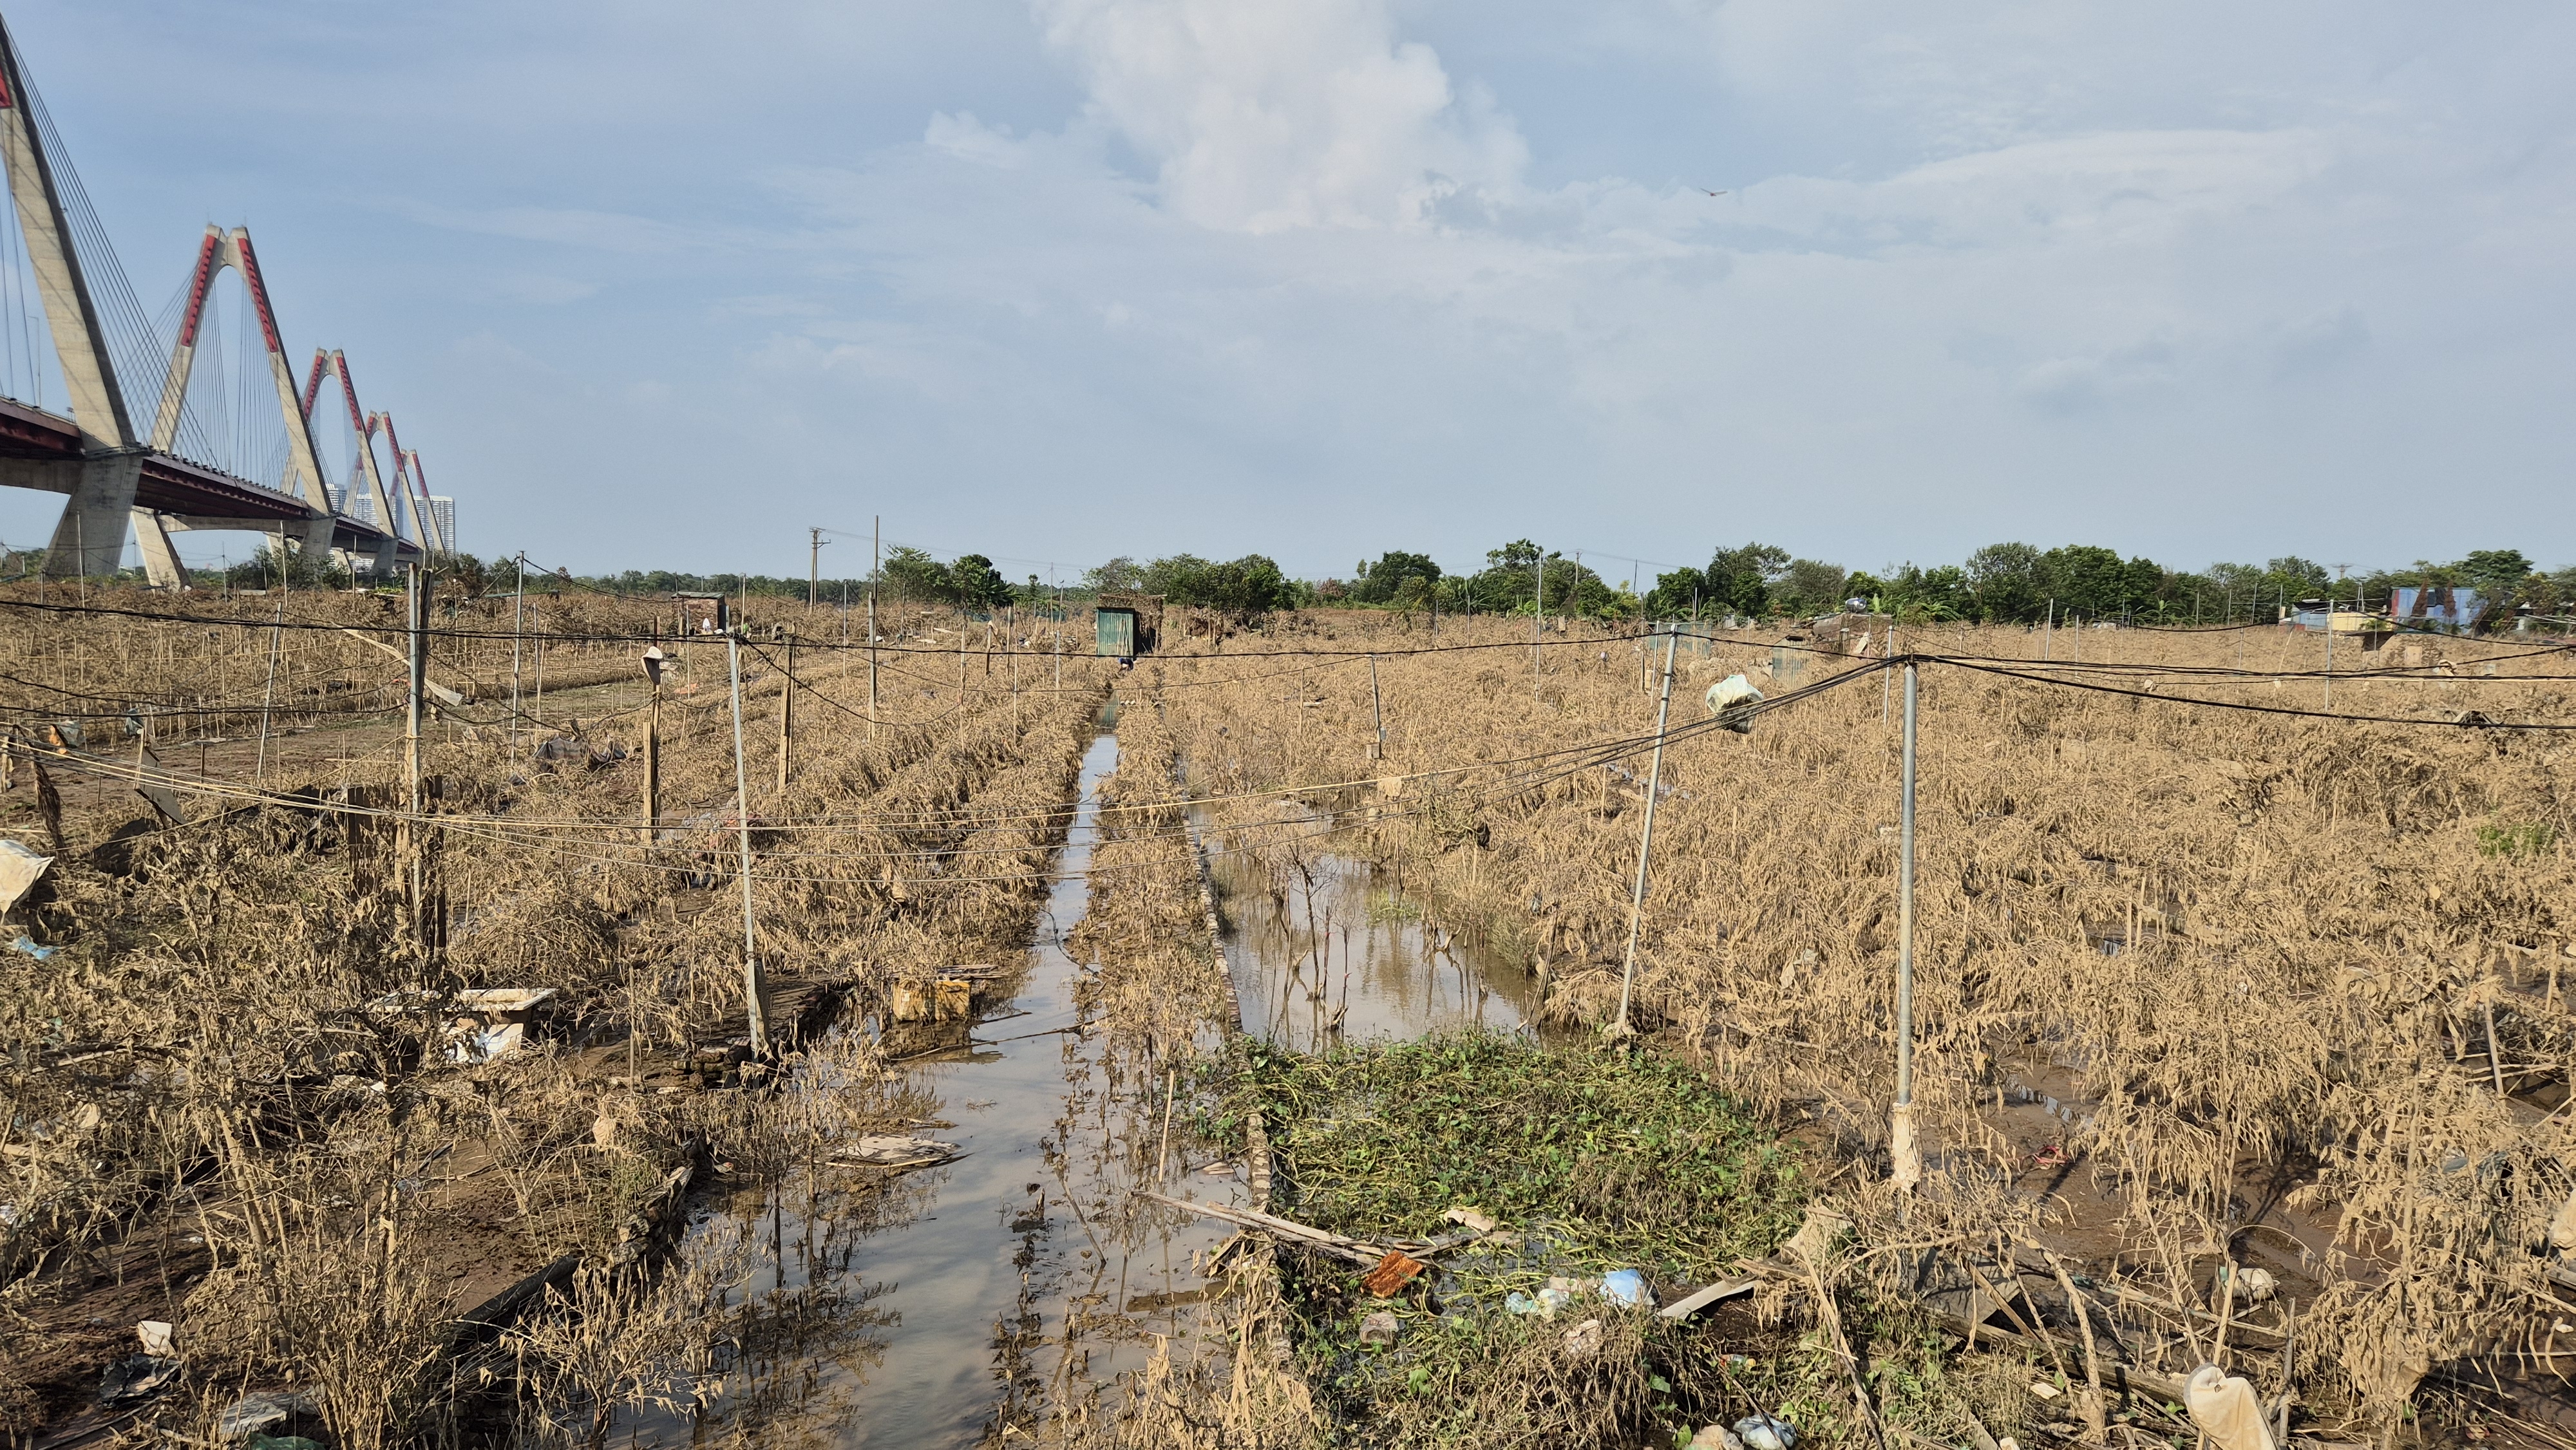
x=1907, y=1158
x=813, y=567
x=755, y=991
x=1646, y=845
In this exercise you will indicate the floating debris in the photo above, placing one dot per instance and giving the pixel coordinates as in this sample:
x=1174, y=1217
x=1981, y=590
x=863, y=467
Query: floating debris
x=897, y=1150
x=1392, y=1273
x=136, y=1377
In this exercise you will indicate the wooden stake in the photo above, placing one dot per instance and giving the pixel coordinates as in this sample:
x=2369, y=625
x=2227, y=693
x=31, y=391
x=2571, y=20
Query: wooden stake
x=1171, y=1092
x=2495, y=1059
x=1377, y=713
x=786, y=712
x=653, y=767
x=2289, y=1363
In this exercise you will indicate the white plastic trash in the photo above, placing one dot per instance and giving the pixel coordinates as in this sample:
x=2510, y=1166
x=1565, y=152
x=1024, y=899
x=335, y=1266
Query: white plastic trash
x=1624, y=1286
x=2225, y=1409
x=1731, y=701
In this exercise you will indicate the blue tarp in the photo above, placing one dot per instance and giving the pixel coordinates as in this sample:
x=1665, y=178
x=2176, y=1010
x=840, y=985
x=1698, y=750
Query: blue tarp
x=2439, y=608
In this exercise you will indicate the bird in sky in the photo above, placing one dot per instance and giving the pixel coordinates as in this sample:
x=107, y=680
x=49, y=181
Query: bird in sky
x=1706, y=190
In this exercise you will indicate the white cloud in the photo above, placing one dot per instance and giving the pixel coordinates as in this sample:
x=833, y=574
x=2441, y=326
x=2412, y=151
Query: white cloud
x=1259, y=118
x=969, y=139
x=1355, y=274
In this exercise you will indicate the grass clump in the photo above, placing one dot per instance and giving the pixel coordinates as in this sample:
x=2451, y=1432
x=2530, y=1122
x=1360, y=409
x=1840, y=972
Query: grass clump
x=1591, y=1161
x=2516, y=840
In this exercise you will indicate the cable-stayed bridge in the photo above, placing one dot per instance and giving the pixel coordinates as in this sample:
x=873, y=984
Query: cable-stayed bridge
x=238, y=450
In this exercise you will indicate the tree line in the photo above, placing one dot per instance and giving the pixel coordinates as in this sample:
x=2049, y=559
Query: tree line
x=2008, y=583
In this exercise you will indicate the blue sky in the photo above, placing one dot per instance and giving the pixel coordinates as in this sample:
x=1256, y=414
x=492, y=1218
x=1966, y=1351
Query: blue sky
x=650, y=284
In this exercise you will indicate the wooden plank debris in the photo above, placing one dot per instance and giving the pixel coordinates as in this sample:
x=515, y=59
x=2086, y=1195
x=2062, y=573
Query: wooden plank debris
x=1367, y=1255
x=1693, y=1302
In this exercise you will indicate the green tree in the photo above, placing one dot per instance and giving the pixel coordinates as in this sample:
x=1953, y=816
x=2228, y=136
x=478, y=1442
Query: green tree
x=2498, y=574
x=1381, y=582
x=1676, y=594
x=915, y=576
x=1941, y=593
x=2009, y=582
x=1250, y=585
x=1121, y=575
x=1740, y=579
x=1811, y=586
x=977, y=584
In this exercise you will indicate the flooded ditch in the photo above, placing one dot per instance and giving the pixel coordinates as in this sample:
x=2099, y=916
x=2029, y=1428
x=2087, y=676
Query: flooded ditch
x=1338, y=955
x=962, y=1303
x=955, y=1305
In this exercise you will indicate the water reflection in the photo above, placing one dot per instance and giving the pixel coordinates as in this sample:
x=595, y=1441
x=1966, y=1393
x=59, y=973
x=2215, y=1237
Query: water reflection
x=1326, y=949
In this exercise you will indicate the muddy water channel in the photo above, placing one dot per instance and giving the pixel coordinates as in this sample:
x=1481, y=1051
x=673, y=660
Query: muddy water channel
x=963, y=1304
x=958, y=1305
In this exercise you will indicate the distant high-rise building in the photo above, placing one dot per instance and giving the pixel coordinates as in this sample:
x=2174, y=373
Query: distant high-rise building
x=443, y=509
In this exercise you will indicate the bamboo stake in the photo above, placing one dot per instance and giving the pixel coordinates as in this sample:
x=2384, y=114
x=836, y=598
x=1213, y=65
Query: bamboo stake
x=518, y=614
x=1377, y=713
x=1646, y=844
x=1906, y=1165
x=417, y=677
x=876, y=550
x=786, y=712
x=754, y=990
x=268, y=698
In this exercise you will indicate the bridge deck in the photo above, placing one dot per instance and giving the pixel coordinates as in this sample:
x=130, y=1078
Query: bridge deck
x=170, y=484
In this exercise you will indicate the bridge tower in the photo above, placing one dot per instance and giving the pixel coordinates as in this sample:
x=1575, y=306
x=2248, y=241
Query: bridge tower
x=219, y=250
x=363, y=425
x=407, y=469
x=116, y=474
x=90, y=537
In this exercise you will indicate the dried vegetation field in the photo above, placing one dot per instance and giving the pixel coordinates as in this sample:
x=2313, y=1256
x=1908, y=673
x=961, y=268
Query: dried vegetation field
x=2200, y=992
x=233, y=1095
